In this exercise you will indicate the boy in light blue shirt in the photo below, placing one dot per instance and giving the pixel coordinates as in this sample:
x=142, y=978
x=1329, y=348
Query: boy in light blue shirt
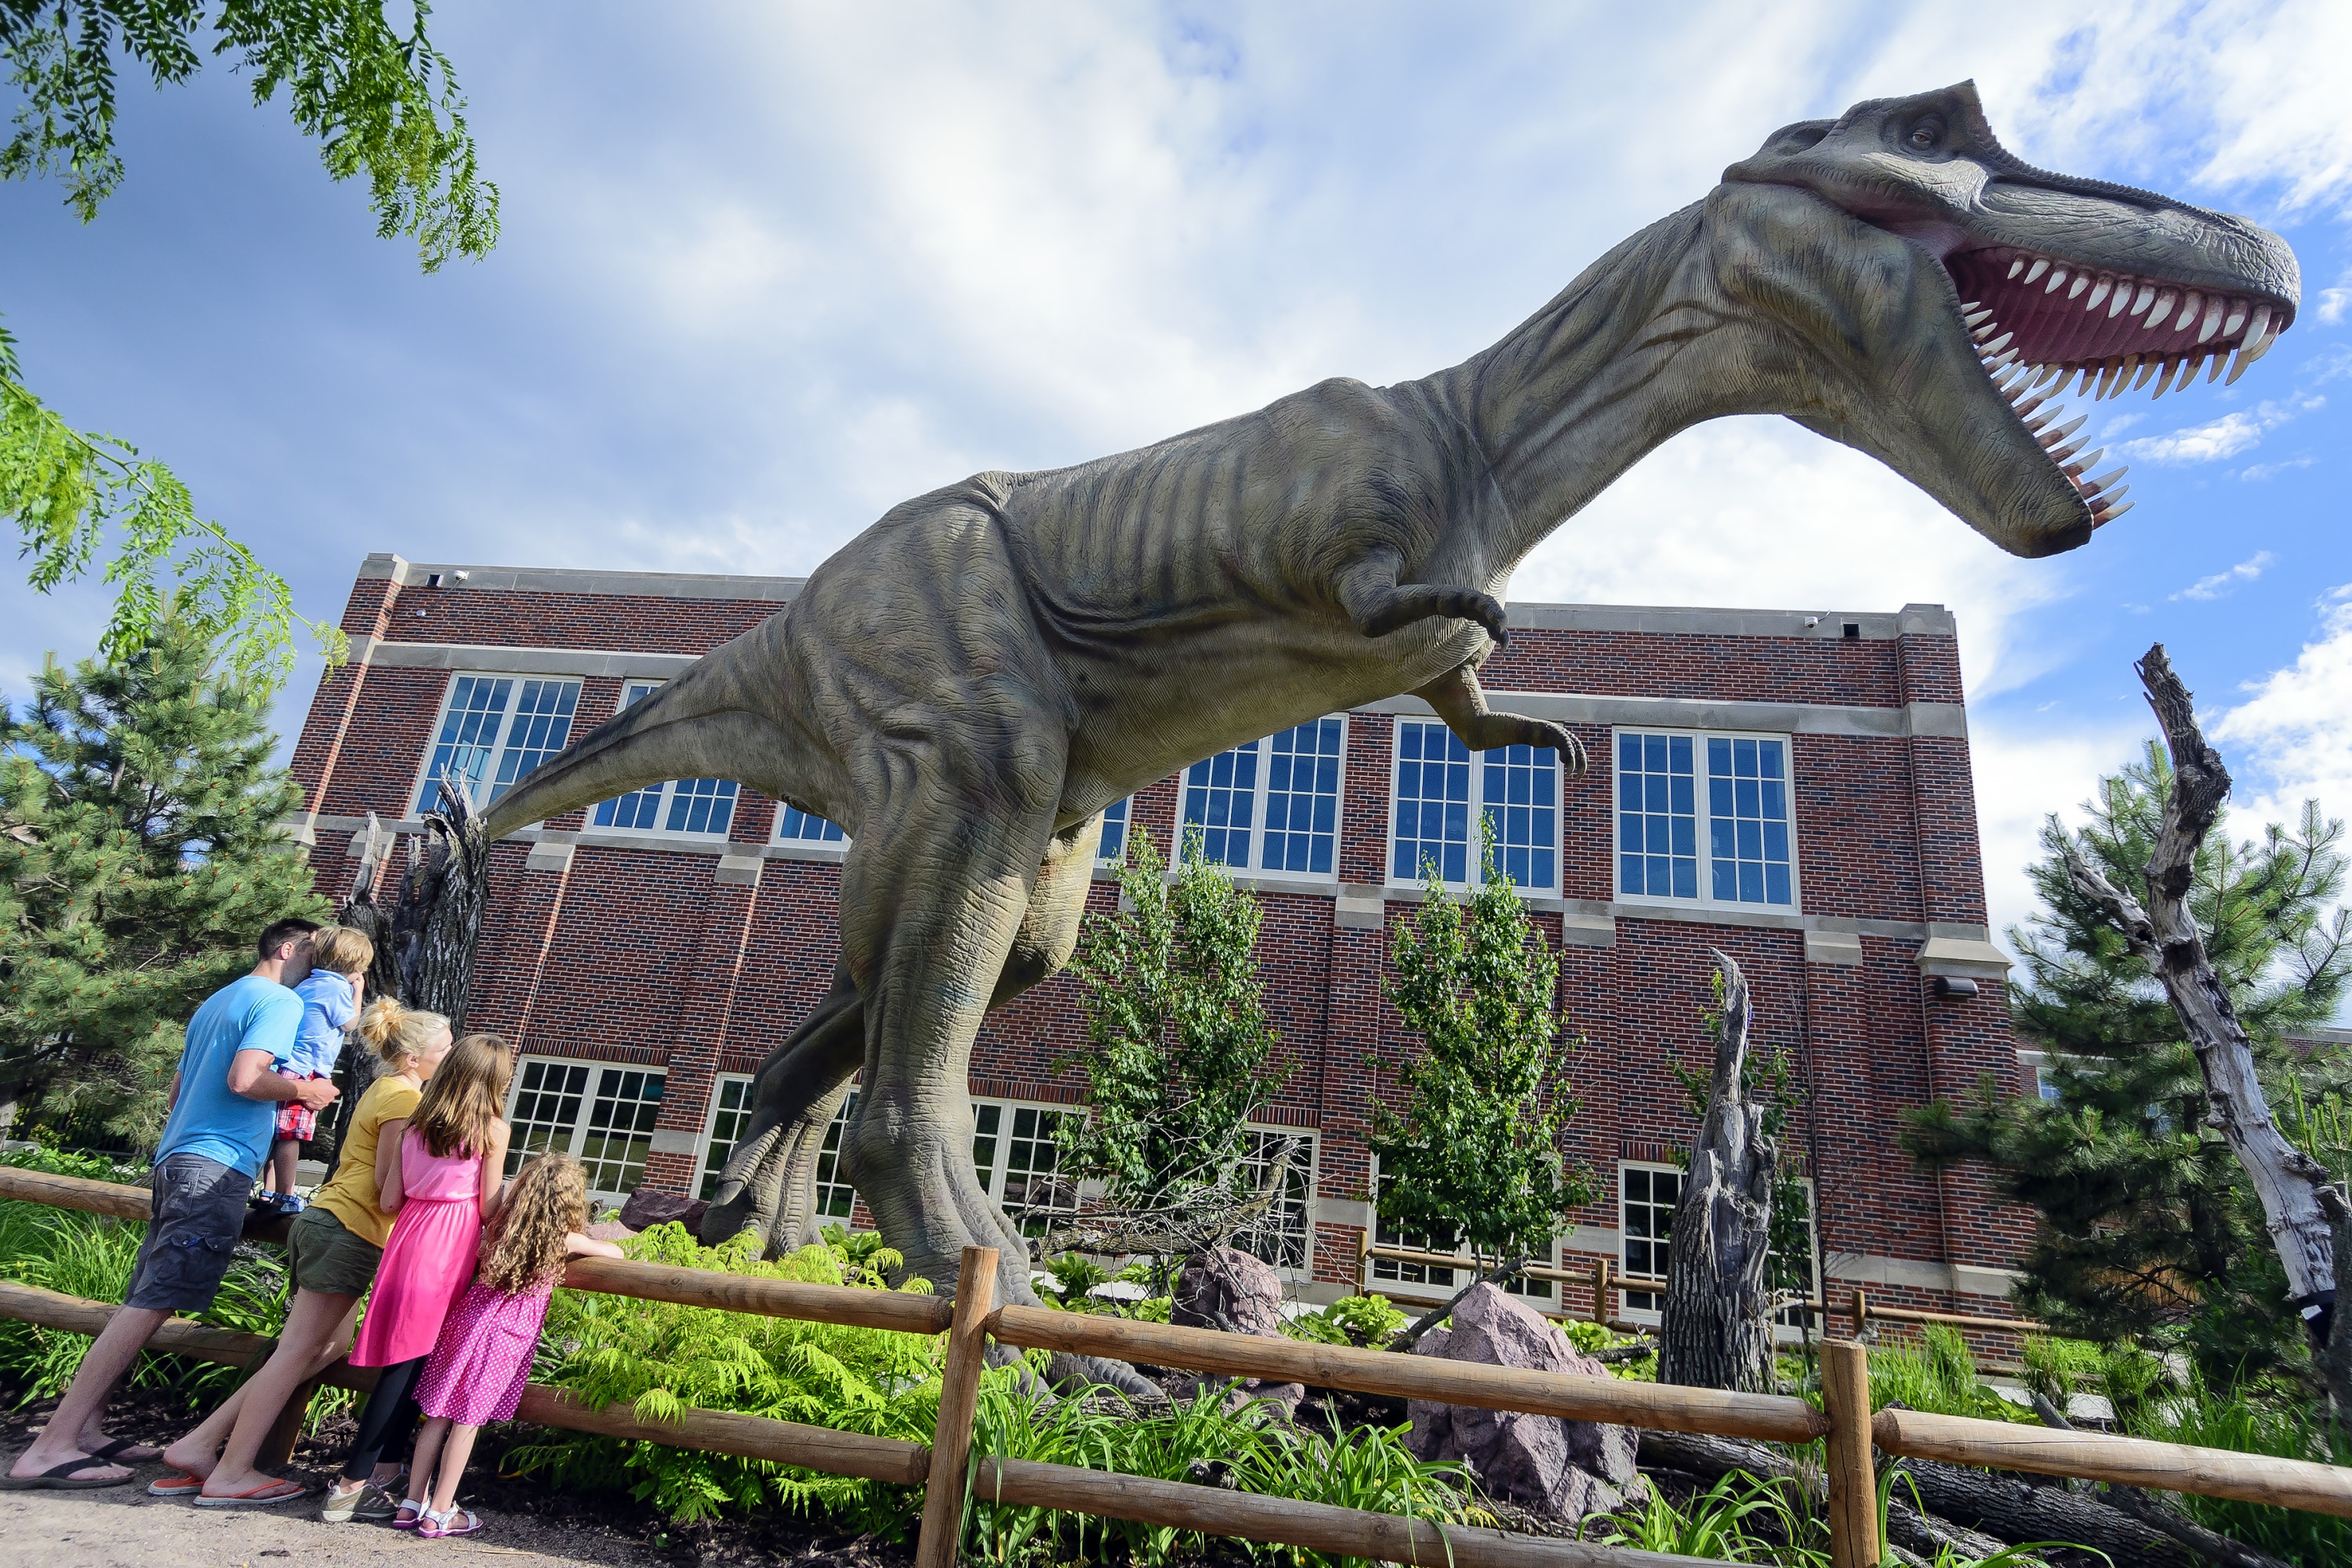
x=330, y=1004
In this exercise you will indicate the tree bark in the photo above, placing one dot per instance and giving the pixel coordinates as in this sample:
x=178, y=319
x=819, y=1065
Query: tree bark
x=2165, y=935
x=435, y=924
x=1719, y=1307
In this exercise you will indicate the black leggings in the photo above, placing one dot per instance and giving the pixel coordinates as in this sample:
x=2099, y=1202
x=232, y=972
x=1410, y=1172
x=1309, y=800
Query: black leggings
x=389, y=1421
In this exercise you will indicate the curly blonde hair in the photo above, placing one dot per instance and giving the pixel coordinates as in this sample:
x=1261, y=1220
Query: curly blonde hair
x=525, y=1247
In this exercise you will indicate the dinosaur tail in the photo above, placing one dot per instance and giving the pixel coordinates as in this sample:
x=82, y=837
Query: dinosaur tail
x=719, y=719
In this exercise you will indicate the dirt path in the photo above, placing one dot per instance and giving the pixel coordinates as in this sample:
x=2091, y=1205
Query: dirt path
x=122, y=1527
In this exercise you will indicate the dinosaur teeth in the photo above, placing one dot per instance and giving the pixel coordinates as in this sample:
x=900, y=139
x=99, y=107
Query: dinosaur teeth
x=2171, y=364
x=2101, y=519
x=2054, y=436
x=2146, y=368
x=2212, y=322
x=2040, y=266
x=2099, y=294
x=2237, y=318
x=2165, y=299
x=2057, y=276
x=2082, y=281
x=2016, y=267
x=2103, y=481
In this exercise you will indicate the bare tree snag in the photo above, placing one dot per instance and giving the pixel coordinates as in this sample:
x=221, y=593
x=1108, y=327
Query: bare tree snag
x=2164, y=936
x=1719, y=1309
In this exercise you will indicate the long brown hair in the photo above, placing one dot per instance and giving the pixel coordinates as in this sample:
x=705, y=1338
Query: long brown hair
x=464, y=1097
x=398, y=1031
x=526, y=1246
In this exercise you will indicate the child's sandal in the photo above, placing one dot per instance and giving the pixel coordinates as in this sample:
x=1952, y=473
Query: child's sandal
x=410, y=1514
x=456, y=1521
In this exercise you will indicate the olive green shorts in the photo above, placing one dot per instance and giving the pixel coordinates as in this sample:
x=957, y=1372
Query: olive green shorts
x=328, y=1260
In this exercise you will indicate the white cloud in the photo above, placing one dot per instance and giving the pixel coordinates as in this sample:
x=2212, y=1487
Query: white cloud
x=2331, y=305
x=2291, y=740
x=2223, y=584
x=2022, y=775
x=2256, y=473
x=2239, y=430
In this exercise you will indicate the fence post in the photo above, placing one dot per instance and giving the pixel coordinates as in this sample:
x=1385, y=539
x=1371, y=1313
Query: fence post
x=1600, y=1291
x=958, y=1403
x=1853, y=1480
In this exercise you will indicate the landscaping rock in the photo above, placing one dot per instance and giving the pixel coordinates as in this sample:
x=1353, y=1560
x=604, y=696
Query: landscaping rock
x=650, y=1206
x=609, y=1230
x=1230, y=1290
x=1568, y=1468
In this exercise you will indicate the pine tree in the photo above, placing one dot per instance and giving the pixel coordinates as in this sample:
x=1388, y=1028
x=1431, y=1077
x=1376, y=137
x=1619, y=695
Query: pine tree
x=2145, y=1227
x=1474, y=1154
x=1180, y=1047
x=140, y=853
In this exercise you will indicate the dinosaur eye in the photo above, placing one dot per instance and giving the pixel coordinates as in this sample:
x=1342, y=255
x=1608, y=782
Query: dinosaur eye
x=1925, y=135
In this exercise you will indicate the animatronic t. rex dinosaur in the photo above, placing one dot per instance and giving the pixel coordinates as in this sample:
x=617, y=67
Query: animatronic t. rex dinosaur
x=966, y=685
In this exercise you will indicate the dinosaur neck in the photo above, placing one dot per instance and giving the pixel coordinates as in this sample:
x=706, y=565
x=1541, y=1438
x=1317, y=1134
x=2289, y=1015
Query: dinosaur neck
x=1615, y=364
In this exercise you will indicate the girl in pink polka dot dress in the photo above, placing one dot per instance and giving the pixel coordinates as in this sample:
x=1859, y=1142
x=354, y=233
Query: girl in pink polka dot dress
x=482, y=1360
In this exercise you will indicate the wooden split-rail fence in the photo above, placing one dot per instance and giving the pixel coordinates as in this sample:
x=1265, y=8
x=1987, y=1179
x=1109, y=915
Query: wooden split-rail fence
x=948, y=1472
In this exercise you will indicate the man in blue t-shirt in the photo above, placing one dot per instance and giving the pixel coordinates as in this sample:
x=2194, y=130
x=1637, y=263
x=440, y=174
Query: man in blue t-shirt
x=224, y=1101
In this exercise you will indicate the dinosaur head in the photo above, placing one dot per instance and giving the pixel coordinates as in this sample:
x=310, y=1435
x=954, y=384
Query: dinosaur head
x=1946, y=296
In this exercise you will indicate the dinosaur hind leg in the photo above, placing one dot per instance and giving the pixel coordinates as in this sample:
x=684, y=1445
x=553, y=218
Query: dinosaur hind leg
x=769, y=1183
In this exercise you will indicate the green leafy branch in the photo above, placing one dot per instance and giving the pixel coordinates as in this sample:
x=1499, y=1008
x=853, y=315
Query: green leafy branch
x=381, y=103
x=66, y=490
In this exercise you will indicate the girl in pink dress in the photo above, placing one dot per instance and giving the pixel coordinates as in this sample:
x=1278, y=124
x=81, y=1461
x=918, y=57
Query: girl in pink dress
x=483, y=1360
x=439, y=1173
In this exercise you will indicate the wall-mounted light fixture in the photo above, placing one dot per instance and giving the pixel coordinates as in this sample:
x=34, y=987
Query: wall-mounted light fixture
x=1946, y=986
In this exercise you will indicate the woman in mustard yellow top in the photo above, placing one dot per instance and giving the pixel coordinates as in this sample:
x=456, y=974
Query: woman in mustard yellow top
x=332, y=1251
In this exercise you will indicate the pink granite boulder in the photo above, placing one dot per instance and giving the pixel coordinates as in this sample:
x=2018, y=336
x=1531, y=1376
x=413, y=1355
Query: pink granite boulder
x=1227, y=1288
x=1568, y=1468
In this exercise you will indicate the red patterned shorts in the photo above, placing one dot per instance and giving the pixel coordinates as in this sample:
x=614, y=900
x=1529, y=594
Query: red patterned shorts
x=296, y=1120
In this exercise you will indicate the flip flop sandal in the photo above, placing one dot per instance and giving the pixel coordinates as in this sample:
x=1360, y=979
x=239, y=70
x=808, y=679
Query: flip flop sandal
x=179, y=1483
x=269, y=1494
x=119, y=1452
x=60, y=1479
x=438, y=1526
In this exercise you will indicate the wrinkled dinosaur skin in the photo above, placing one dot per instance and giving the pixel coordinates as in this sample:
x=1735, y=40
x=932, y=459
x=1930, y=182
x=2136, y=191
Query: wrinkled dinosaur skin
x=966, y=685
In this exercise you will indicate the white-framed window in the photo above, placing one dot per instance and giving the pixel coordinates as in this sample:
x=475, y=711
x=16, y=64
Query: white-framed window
x=794, y=826
x=1705, y=818
x=1015, y=1159
x=1113, y=849
x=681, y=805
x=601, y=1116
x=1286, y=1237
x=494, y=730
x=1399, y=1272
x=730, y=1113
x=1272, y=804
x=1646, y=1196
x=1438, y=783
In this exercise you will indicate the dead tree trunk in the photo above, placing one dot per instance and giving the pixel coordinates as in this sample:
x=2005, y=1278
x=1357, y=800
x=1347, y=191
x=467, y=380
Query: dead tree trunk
x=2164, y=936
x=1719, y=1309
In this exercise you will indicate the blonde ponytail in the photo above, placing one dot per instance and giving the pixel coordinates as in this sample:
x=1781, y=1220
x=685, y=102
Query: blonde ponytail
x=396, y=1031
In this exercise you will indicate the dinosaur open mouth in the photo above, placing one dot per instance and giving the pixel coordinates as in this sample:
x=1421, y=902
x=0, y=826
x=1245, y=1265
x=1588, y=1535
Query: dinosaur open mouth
x=2039, y=321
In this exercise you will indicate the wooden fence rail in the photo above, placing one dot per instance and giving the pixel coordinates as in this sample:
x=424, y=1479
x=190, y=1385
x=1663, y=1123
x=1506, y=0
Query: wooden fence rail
x=1846, y=1423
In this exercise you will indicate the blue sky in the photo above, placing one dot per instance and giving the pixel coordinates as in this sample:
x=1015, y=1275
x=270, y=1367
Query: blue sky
x=769, y=269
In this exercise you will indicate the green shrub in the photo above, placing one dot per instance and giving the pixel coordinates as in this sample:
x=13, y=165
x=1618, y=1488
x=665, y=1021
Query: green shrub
x=2275, y=1418
x=660, y=1358
x=2056, y=1368
x=1941, y=1375
x=1370, y=1322
x=1200, y=1441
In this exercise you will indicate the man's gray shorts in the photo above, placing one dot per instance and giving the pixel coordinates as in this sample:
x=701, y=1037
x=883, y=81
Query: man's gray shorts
x=199, y=1213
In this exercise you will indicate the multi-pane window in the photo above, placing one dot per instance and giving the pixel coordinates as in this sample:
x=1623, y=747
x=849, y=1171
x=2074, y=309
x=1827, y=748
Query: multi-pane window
x=1014, y=1158
x=1705, y=818
x=495, y=730
x=601, y=1116
x=798, y=827
x=1385, y=1234
x=730, y=1114
x=1113, y=832
x=1794, y=1315
x=1514, y=788
x=1273, y=805
x=681, y=805
x=1646, y=1196
x=1285, y=1237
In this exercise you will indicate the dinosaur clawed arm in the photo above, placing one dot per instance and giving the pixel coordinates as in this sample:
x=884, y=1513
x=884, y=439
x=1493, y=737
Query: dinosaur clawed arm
x=1461, y=701
x=1374, y=600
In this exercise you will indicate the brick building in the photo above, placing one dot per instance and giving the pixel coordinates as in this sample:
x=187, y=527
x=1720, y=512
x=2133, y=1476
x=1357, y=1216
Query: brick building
x=1791, y=788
